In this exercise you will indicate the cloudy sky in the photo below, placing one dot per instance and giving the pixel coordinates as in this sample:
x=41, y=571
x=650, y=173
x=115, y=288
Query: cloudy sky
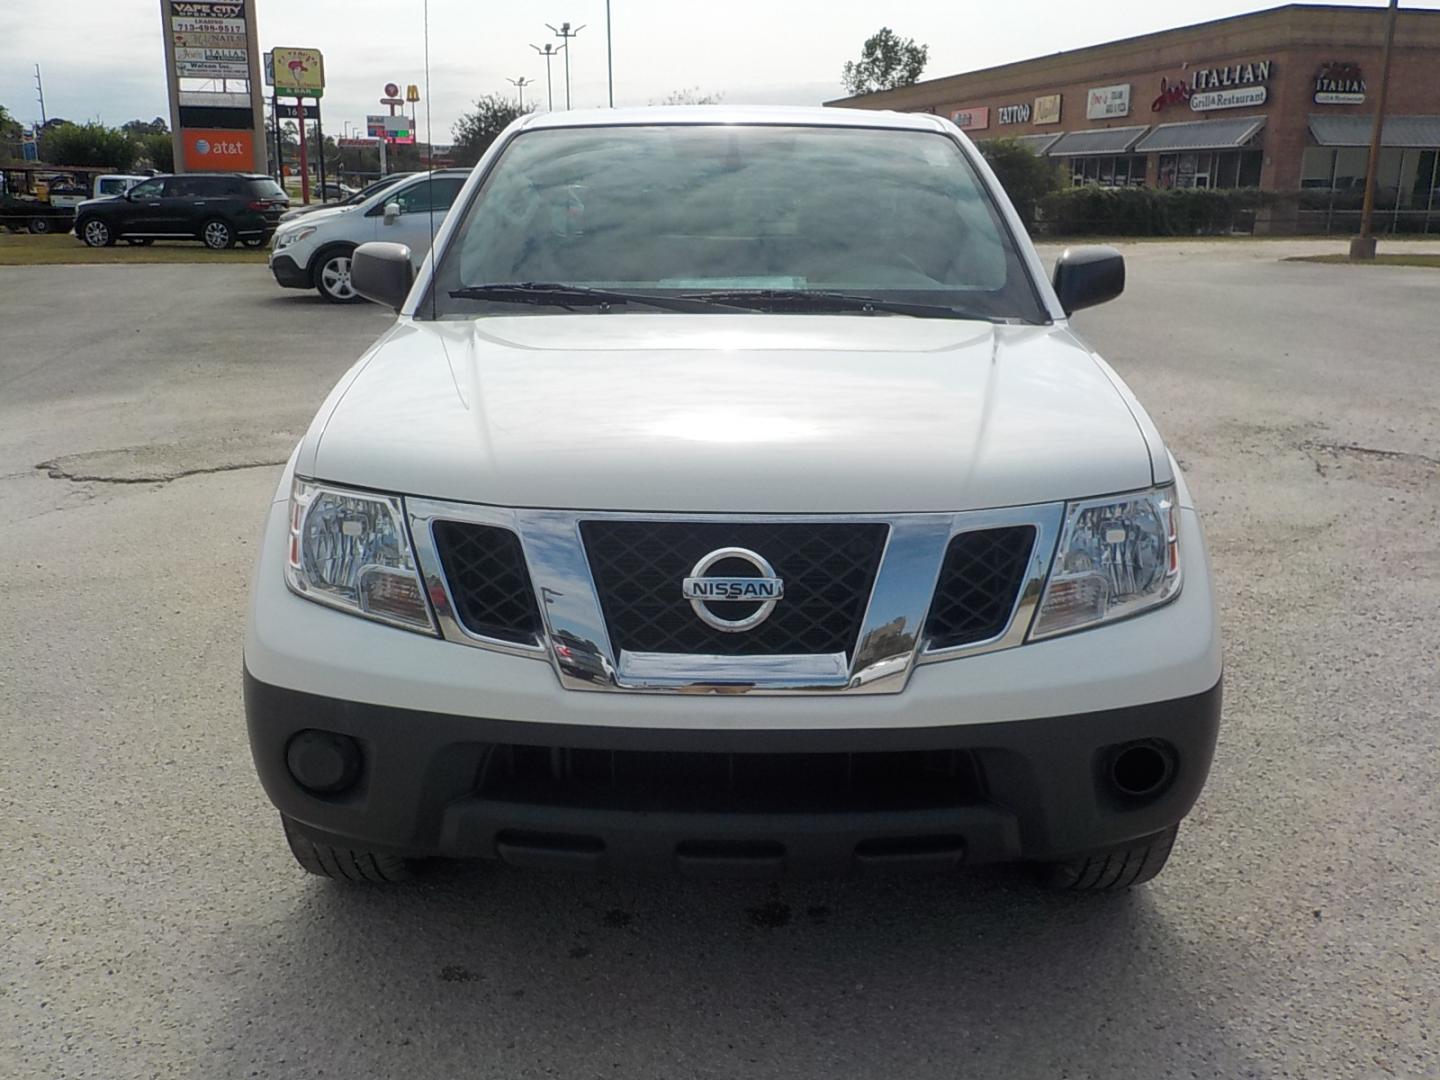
x=103, y=59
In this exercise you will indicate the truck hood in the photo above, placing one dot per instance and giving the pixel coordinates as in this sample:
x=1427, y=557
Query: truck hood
x=730, y=413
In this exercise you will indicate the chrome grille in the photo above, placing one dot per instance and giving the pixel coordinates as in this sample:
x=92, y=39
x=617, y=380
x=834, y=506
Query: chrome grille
x=485, y=568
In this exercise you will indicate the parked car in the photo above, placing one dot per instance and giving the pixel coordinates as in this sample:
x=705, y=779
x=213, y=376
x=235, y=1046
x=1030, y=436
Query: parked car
x=218, y=209
x=733, y=496
x=115, y=184
x=313, y=252
x=349, y=200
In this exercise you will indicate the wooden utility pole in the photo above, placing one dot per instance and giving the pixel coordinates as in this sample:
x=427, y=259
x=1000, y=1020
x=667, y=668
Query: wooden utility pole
x=1363, y=246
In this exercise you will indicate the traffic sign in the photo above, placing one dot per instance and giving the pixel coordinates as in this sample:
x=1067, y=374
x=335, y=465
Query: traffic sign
x=391, y=90
x=392, y=101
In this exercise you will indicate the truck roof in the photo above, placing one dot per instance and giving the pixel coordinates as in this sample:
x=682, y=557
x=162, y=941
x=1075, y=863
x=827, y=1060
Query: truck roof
x=811, y=116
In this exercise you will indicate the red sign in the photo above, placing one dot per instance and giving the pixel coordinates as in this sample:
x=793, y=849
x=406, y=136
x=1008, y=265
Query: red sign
x=216, y=150
x=391, y=90
x=971, y=119
x=1177, y=93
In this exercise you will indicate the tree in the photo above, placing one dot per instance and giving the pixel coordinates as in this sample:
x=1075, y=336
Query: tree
x=158, y=126
x=87, y=144
x=478, y=128
x=689, y=96
x=10, y=128
x=156, y=150
x=1025, y=176
x=886, y=61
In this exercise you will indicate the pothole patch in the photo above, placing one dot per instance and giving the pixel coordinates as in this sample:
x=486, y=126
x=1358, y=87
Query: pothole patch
x=160, y=463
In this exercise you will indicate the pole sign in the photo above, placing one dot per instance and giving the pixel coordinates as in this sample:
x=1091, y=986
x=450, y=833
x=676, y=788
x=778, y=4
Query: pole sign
x=412, y=93
x=216, y=128
x=1107, y=102
x=391, y=90
x=299, y=72
x=1340, y=83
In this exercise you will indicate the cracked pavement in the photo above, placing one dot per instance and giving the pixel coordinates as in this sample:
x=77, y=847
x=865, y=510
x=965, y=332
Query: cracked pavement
x=154, y=925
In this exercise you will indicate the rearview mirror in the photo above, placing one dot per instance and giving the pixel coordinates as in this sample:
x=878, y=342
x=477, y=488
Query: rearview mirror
x=392, y=213
x=1086, y=276
x=382, y=272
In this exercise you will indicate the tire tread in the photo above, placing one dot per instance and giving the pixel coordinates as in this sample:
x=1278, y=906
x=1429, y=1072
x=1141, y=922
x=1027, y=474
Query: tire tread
x=344, y=864
x=1114, y=871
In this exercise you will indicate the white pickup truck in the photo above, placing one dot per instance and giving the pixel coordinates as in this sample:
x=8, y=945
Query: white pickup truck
x=732, y=496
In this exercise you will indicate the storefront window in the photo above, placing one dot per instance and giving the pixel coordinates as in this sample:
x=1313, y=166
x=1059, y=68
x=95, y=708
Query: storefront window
x=1317, y=168
x=1350, y=169
x=1122, y=170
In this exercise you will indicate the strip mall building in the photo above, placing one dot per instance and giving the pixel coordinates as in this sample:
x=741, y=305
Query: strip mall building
x=1282, y=100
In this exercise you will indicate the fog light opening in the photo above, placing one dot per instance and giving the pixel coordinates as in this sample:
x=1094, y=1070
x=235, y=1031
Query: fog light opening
x=323, y=762
x=1142, y=770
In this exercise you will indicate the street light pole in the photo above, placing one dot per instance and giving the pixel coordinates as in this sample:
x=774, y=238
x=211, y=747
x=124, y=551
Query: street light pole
x=565, y=32
x=609, y=56
x=520, y=85
x=1363, y=246
x=548, y=52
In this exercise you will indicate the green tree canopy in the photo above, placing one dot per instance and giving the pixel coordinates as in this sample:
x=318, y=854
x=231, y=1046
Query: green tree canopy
x=690, y=96
x=158, y=126
x=1025, y=176
x=156, y=150
x=886, y=61
x=10, y=128
x=478, y=128
x=88, y=144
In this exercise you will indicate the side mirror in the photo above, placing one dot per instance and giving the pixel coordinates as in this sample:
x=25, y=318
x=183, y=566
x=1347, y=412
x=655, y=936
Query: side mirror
x=1086, y=276
x=392, y=213
x=382, y=272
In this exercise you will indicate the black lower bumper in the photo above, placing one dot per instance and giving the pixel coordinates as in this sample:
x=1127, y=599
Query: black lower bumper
x=288, y=274
x=433, y=784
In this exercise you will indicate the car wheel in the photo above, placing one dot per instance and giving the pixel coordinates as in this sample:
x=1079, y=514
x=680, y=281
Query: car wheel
x=332, y=277
x=344, y=864
x=95, y=232
x=217, y=235
x=40, y=226
x=1114, y=870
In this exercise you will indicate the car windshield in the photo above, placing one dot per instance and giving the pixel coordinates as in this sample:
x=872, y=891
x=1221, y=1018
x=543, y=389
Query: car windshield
x=267, y=189
x=754, y=217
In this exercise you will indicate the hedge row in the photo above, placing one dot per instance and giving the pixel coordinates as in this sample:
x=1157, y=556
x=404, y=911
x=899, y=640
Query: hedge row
x=1138, y=211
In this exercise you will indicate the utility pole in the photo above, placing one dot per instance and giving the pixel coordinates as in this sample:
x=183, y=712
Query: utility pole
x=609, y=56
x=520, y=85
x=1363, y=246
x=567, y=33
x=548, y=52
x=40, y=90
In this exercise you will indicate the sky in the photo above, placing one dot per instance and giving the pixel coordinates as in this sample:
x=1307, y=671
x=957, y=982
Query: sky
x=104, y=59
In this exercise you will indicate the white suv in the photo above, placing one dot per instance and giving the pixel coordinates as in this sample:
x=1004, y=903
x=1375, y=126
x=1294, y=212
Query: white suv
x=314, y=251
x=732, y=496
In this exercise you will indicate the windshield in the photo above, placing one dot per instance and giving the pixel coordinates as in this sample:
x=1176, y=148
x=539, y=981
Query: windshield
x=781, y=213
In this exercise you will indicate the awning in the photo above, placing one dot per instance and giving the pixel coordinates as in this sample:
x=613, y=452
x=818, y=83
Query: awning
x=1421, y=132
x=1117, y=140
x=1201, y=135
x=1038, y=144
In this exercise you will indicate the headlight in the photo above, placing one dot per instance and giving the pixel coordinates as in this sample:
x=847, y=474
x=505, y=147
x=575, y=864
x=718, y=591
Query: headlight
x=285, y=239
x=351, y=550
x=1117, y=556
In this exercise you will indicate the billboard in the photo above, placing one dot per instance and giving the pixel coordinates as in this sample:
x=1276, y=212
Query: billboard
x=298, y=72
x=210, y=39
x=393, y=129
x=217, y=150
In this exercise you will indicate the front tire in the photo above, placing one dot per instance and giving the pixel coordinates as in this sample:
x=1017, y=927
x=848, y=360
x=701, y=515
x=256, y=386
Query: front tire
x=217, y=235
x=344, y=864
x=40, y=226
x=332, y=276
x=1115, y=870
x=95, y=233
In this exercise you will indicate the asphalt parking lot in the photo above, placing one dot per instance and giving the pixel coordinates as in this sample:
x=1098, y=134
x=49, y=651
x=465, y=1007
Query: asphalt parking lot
x=155, y=926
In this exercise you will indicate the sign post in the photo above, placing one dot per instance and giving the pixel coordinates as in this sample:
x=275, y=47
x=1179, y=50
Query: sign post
x=301, y=73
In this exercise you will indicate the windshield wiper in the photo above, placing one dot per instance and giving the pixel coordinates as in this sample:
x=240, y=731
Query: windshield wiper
x=557, y=294
x=805, y=300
